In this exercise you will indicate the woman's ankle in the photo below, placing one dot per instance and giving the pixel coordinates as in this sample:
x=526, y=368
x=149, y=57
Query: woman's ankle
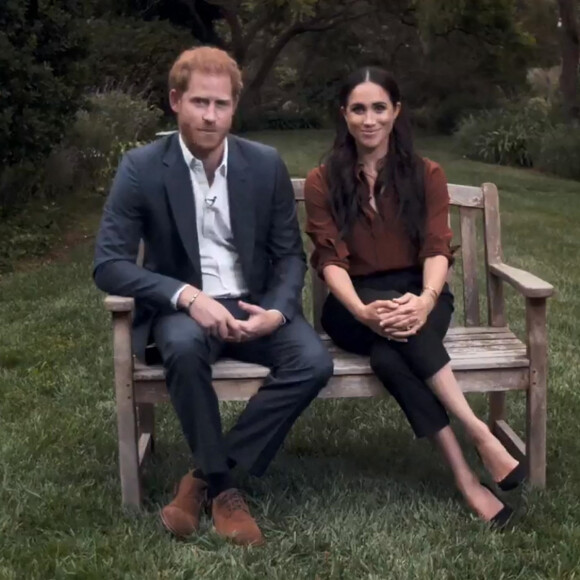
x=466, y=481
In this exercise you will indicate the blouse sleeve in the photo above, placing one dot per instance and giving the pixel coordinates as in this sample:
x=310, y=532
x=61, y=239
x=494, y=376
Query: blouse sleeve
x=329, y=248
x=438, y=234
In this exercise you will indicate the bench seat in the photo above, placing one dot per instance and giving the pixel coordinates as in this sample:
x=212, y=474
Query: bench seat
x=496, y=353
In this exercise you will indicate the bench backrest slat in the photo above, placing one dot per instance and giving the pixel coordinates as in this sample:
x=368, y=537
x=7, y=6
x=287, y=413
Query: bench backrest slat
x=475, y=205
x=468, y=227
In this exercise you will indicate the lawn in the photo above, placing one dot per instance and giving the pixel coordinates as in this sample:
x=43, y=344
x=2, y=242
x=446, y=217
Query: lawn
x=352, y=495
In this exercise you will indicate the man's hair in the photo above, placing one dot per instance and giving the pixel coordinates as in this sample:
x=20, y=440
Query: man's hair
x=208, y=60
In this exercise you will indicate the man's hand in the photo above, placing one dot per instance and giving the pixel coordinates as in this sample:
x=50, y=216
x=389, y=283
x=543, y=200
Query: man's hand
x=211, y=315
x=260, y=322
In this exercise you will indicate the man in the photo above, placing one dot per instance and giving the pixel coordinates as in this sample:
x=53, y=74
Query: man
x=222, y=276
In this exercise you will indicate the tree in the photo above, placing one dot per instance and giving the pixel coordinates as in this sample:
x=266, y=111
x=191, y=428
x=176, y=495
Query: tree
x=257, y=32
x=570, y=57
x=41, y=79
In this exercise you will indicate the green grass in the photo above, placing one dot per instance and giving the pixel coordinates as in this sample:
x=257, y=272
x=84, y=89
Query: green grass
x=352, y=494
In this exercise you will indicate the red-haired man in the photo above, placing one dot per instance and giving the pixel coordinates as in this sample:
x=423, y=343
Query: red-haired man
x=222, y=276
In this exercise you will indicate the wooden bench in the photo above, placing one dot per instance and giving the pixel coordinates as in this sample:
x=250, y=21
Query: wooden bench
x=486, y=355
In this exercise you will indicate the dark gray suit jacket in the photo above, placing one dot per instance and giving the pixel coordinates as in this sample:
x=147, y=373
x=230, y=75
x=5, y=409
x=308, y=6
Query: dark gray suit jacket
x=152, y=199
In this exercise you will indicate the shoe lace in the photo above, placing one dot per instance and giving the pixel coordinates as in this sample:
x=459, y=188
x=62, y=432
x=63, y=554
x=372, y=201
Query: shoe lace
x=233, y=500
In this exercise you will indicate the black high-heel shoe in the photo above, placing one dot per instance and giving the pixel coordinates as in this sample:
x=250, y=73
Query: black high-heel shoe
x=515, y=477
x=501, y=520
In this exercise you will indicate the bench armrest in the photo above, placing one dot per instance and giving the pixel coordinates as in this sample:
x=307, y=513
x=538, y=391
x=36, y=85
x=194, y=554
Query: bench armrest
x=119, y=304
x=527, y=284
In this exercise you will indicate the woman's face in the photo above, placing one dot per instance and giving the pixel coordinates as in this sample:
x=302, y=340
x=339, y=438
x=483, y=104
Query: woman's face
x=370, y=115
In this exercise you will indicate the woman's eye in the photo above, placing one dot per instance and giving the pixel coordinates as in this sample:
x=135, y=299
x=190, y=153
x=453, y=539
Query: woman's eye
x=380, y=108
x=358, y=109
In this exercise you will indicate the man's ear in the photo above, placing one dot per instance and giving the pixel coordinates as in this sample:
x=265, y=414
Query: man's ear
x=174, y=100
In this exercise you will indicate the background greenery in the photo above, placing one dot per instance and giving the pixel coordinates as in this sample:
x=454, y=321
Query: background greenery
x=81, y=81
x=352, y=495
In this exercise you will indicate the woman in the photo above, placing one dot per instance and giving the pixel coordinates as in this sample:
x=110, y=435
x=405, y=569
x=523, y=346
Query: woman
x=377, y=214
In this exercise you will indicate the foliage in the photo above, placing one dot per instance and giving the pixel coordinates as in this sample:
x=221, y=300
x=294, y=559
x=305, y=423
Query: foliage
x=544, y=82
x=42, y=47
x=113, y=122
x=280, y=120
x=506, y=136
x=351, y=495
x=135, y=55
x=558, y=151
x=28, y=234
x=82, y=164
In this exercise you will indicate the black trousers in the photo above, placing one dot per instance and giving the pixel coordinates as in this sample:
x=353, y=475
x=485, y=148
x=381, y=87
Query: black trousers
x=402, y=367
x=300, y=366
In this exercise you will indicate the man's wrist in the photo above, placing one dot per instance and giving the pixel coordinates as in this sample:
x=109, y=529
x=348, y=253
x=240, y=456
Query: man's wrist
x=281, y=318
x=187, y=297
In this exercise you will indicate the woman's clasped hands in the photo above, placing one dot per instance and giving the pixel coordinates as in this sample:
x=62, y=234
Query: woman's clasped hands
x=397, y=319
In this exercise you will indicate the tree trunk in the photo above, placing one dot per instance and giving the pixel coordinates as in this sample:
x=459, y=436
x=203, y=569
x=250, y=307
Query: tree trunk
x=251, y=94
x=570, y=58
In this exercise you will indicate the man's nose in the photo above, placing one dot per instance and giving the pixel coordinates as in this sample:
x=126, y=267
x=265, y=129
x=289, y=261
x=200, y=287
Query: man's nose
x=209, y=114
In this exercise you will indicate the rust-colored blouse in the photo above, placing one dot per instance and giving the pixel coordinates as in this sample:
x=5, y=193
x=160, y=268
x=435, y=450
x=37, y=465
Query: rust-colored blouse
x=378, y=241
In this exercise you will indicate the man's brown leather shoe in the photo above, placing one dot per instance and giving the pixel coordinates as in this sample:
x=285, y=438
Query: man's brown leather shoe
x=232, y=519
x=181, y=516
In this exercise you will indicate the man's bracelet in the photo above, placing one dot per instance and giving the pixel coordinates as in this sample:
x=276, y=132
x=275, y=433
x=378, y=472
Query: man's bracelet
x=190, y=303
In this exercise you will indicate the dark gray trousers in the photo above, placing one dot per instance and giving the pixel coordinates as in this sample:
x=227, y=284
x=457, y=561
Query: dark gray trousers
x=299, y=366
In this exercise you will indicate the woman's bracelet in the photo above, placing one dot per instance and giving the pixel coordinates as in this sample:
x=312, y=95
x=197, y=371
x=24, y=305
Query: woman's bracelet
x=433, y=292
x=190, y=303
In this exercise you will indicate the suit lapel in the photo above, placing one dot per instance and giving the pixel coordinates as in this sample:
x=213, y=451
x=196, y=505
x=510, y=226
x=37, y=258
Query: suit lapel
x=241, y=201
x=180, y=194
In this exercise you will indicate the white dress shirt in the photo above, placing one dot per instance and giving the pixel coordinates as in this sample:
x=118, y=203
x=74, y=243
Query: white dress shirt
x=221, y=269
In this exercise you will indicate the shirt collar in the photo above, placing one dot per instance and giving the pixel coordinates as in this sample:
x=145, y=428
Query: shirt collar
x=192, y=161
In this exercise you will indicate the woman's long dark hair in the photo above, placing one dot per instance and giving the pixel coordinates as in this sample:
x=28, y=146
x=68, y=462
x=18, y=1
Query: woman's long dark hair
x=402, y=169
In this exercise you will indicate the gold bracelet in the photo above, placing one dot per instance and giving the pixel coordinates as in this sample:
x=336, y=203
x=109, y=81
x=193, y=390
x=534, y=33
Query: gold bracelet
x=190, y=303
x=433, y=291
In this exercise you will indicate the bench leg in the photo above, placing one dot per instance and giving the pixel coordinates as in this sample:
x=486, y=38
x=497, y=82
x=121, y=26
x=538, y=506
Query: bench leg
x=129, y=457
x=126, y=412
x=146, y=422
x=496, y=409
x=536, y=396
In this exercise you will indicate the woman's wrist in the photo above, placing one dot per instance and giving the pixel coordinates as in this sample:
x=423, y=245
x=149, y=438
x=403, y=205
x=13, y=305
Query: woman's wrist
x=428, y=299
x=357, y=310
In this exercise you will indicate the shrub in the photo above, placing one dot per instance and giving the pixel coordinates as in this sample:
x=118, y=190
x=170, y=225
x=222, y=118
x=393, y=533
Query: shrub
x=558, y=152
x=278, y=120
x=41, y=80
x=113, y=122
x=445, y=115
x=506, y=136
x=129, y=53
x=85, y=160
x=18, y=184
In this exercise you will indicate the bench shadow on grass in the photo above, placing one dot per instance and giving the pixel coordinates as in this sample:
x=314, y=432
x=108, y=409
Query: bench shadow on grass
x=325, y=463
